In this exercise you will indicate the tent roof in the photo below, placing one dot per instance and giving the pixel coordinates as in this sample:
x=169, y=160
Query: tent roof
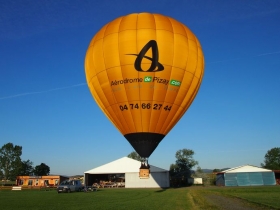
x=122, y=165
x=246, y=168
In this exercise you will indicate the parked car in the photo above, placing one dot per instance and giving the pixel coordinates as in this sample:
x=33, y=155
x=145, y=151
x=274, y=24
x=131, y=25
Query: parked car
x=70, y=186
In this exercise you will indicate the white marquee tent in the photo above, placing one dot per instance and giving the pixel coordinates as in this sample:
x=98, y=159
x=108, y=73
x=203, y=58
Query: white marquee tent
x=159, y=178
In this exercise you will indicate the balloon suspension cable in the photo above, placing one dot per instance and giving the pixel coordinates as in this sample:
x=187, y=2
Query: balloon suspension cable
x=144, y=164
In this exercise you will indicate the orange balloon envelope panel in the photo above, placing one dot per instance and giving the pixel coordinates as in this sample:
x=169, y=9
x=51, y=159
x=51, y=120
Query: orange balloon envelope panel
x=144, y=70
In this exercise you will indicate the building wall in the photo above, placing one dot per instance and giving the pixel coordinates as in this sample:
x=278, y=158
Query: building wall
x=220, y=179
x=39, y=180
x=156, y=180
x=249, y=179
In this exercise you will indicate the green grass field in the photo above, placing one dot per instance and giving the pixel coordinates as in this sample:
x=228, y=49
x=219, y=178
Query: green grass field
x=180, y=198
x=267, y=197
x=102, y=199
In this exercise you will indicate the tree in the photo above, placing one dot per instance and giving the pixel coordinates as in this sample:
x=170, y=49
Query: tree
x=174, y=169
x=272, y=159
x=41, y=170
x=181, y=170
x=1, y=175
x=10, y=162
x=185, y=160
x=198, y=173
x=134, y=155
x=26, y=168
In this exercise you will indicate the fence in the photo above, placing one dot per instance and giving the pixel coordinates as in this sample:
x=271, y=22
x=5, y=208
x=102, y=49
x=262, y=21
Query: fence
x=27, y=187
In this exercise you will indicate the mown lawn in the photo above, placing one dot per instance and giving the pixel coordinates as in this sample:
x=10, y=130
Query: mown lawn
x=265, y=196
x=180, y=198
x=102, y=199
x=269, y=196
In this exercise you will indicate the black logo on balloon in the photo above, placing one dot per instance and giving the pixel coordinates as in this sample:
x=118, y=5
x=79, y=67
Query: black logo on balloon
x=155, y=65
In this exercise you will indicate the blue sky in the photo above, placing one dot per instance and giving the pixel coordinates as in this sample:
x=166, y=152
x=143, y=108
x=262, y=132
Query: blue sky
x=46, y=106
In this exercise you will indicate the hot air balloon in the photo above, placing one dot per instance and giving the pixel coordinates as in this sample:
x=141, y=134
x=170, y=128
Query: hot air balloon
x=144, y=70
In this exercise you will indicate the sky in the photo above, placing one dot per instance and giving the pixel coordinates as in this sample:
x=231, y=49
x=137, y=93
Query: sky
x=46, y=106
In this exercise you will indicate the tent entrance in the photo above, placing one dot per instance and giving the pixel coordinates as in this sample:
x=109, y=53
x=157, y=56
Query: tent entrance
x=105, y=180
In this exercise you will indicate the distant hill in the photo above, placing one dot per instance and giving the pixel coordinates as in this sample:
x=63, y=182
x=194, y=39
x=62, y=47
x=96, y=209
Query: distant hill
x=207, y=171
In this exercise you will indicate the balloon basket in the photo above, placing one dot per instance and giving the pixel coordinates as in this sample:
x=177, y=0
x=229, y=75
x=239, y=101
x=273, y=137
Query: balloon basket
x=144, y=170
x=144, y=173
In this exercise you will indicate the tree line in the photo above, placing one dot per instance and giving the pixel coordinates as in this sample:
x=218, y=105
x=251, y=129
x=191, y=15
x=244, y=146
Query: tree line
x=11, y=164
x=181, y=170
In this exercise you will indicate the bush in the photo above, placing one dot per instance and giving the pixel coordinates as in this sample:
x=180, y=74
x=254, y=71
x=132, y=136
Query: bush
x=7, y=183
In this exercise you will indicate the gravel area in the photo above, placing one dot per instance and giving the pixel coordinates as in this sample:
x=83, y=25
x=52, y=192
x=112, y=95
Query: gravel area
x=229, y=203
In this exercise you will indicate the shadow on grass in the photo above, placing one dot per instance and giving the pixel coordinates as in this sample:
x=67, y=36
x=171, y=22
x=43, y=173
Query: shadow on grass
x=161, y=190
x=183, y=186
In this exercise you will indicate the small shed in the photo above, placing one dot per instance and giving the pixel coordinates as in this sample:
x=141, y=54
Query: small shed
x=196, y=181
x=127, y=170
x=49, y=180
x=246, y=175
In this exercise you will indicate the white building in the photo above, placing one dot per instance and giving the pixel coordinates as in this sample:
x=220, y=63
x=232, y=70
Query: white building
x=128, y=169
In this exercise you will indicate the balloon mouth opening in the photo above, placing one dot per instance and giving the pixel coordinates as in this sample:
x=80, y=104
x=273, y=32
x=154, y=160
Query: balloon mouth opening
x=144, y=143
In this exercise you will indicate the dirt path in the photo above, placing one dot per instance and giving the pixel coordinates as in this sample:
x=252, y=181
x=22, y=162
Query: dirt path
x=230, y=203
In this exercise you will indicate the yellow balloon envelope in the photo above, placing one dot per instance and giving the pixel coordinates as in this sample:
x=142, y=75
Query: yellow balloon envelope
x=144, y=70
